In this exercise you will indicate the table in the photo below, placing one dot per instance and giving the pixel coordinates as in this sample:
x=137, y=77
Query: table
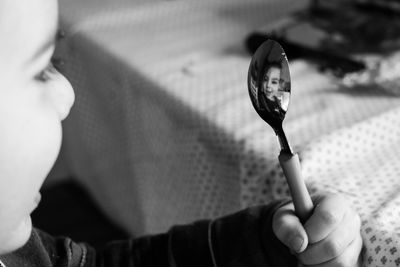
x=163, y=131
x=153, y=80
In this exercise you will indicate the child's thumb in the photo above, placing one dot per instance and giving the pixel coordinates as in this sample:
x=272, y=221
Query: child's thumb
x=289, y=230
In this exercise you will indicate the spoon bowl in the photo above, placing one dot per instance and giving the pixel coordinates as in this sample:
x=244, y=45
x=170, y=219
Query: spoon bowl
x=269, y=88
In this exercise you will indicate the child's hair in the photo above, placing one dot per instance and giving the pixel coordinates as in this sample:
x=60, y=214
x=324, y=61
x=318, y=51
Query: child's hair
x=272, y=64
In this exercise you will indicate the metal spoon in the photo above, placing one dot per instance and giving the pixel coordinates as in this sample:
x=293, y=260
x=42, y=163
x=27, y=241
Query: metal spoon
x=269, y=89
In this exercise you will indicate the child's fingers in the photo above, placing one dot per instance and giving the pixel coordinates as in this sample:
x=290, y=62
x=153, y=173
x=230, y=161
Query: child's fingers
x=327, y=215
x=335, y=244
x=349, y=258
x=289, y=230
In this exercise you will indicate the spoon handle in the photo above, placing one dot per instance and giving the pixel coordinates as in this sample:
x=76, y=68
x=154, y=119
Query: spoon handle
x=301, y=198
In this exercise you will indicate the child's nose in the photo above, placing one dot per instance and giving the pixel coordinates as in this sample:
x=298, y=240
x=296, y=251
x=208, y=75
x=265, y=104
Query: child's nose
x=62, y=95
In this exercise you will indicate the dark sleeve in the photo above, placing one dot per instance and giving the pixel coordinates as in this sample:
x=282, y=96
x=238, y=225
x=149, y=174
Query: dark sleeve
x=241, y=239
x=43, y=250
x=246, y=239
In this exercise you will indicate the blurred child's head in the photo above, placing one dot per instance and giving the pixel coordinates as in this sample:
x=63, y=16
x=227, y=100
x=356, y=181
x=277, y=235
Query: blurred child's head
x=272, y=77
x=34, y=99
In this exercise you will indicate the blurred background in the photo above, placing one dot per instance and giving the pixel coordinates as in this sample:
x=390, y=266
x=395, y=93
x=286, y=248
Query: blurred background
x=163, y=131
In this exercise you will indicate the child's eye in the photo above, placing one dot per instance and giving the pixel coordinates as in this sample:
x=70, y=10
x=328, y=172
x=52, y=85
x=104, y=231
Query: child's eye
x=54, y=65
x=44, y=75
x=51, y=68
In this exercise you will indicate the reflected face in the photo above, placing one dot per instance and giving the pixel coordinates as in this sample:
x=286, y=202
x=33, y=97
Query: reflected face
x=271, y=79
x=269, y=86
x=34, y=99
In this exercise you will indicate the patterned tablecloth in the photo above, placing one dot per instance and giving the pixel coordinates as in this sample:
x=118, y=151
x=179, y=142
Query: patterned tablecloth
x=163, y=131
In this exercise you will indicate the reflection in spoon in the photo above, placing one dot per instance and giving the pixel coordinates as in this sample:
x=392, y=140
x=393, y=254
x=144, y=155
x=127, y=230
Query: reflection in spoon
x=269, y=89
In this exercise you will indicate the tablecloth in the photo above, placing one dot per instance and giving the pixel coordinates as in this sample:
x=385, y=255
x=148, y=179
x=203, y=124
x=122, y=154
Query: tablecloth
x=163, y=131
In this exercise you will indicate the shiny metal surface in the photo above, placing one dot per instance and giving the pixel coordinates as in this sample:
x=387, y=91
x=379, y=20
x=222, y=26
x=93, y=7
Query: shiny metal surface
x=270, y=87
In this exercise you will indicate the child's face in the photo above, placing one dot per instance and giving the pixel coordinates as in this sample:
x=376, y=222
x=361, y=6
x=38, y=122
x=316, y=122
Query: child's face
x=34, y=99
x=272, y=78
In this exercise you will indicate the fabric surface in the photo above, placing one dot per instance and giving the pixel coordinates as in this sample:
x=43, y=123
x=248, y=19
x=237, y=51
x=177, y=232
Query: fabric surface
x=163, y=131
x=159, y=107
x=362, y=163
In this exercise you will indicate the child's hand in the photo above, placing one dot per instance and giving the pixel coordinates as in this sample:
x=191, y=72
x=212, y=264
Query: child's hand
x=330, y=237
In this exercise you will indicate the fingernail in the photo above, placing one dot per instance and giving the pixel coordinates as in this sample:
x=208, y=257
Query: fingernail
x=296, y=243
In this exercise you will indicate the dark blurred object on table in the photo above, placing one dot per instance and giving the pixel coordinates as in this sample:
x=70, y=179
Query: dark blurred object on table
x=333, y=34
